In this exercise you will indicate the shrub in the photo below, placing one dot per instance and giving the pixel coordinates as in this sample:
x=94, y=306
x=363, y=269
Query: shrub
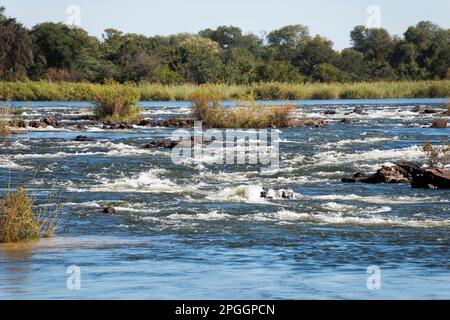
x=437, y=155
x=117, y=103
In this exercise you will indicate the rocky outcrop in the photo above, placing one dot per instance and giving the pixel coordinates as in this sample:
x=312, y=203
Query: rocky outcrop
x=427, y=178
x=395, y=174
x=117, y=126
x=439, y=123
x=429, y=110
x=170, y=123
x=301, y=123
x=166, y=144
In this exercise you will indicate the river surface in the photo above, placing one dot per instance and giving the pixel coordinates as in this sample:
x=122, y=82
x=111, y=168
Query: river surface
x=201, y=231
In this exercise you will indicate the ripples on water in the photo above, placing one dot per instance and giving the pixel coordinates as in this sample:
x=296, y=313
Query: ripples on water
x=202, y=231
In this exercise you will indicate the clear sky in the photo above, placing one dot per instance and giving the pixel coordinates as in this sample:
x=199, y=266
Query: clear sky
x=331, y=18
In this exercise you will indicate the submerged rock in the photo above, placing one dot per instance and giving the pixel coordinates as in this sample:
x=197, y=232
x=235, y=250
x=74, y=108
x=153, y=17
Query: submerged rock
x=360, y=110
x=395, y=174
x=330, y=112
x=346, y=120
x=109, y=210
x=83, y=139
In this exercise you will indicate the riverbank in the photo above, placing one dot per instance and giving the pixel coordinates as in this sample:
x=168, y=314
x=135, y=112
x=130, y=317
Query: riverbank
x=65, y=91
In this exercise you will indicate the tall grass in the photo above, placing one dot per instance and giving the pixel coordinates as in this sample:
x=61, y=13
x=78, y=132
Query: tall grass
x=207, y=107
x=117, y=103
x=5, y=130
x=19, y=222
x=82, y=91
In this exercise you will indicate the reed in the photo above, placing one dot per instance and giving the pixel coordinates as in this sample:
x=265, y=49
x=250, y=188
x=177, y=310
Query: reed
x=207, y=107
x=83, y=91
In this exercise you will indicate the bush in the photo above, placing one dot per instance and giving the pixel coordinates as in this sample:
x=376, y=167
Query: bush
x=437, y=155
x=117, y=103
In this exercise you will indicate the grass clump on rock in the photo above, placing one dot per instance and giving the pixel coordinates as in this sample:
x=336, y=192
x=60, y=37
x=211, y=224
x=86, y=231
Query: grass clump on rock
x=116, y=103
x=207, y=107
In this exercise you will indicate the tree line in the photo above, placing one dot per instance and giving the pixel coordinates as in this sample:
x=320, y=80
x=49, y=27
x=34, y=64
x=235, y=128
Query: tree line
x=57, y=52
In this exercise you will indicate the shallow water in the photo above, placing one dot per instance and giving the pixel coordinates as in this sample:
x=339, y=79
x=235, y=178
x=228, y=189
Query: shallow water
x=196, y=231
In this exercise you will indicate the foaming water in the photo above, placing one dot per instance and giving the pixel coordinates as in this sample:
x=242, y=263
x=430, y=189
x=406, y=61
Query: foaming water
x=197, y=230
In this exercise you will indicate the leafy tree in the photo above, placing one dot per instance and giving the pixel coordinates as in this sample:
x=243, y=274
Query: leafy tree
x=16, y=54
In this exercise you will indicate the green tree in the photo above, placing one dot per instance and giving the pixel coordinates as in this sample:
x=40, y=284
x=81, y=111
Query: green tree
x=16, y=54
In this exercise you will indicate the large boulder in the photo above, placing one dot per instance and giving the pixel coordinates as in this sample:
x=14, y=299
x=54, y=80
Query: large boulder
x=386, y=174
x=440, y=123
x=427, y=178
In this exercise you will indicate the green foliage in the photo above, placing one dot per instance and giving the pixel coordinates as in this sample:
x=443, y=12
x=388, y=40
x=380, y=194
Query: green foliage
x=55, y=52
x=116, y=103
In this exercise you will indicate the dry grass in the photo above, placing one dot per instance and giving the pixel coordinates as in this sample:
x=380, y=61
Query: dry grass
x=18, y=221
x=207, y=107
x=116, y=103
x=5, y=129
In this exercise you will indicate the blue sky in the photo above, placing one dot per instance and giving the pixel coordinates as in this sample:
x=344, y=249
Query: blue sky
x=331, y=18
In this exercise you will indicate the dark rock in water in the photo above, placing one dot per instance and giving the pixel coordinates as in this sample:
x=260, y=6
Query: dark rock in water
x=271, y=194
x=346, y=120
x=22, y=124
x=170, y=123
x=145, y=123
x=416, y=109
x=51, y=121
x=360, y=110
x=301, y=123
x=429, y=110
x=83, y=139
x=168, y=144
x=427, y=178
x=330, y=112
x=37, y=124
x=439, y=123
x=117, y=126
x=386, y=174
x=109, y=210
